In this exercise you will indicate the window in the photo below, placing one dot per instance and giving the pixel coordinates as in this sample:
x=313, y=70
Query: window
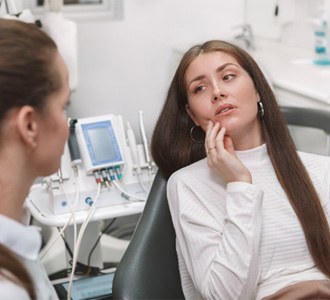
x=83, y=9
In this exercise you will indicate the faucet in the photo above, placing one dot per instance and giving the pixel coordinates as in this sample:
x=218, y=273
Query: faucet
x=246, y=36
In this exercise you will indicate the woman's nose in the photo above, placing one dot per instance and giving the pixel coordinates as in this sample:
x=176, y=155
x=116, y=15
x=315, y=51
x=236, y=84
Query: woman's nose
x=219, y=93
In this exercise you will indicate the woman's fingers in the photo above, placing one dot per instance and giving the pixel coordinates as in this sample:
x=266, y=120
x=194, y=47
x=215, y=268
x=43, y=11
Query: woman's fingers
x=221, y=155
x=211, y=134
x=219, y=139
x=217, y=152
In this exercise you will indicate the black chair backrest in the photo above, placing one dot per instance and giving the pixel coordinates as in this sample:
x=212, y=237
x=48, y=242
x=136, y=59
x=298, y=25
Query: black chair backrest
x=149, y=267
x=307, y=117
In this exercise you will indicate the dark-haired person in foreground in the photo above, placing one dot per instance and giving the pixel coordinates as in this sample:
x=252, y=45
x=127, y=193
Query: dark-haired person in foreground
x=34, y=93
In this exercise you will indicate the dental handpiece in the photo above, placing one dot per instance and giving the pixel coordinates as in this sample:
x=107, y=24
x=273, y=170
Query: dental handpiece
x=133, y=147
x=144, y=139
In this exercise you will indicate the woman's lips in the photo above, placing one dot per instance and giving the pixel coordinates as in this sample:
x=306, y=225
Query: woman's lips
x=225, y=110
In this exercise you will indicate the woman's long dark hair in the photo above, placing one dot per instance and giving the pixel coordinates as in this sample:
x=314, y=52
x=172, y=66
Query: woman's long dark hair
x=172, y=147
x=27, y=72
x=27, y=77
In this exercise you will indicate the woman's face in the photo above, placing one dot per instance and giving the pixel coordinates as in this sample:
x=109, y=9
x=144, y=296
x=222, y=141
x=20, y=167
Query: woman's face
x=54, y=130
x=219, y=89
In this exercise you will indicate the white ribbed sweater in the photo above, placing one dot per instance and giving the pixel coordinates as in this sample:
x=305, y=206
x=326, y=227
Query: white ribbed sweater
x=241, y=241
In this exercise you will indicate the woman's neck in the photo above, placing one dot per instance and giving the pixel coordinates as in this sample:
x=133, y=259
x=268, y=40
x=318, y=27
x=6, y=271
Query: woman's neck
x=248, y=139
x=15, y=183
x=247, y=143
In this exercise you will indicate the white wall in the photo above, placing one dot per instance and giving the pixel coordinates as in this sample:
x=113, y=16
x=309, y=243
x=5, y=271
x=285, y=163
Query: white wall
x=294, y=24
x=127, y=65
x=301, y=32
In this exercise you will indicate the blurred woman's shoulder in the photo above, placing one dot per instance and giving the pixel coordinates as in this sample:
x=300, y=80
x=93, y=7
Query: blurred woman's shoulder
x=9, y=289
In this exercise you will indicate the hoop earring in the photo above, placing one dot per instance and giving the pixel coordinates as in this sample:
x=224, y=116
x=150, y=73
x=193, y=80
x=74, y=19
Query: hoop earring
x=261, y=110
x=192, y=135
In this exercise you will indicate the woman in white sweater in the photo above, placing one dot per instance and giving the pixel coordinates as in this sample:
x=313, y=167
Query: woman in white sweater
x=250, y=213
x=34, y=93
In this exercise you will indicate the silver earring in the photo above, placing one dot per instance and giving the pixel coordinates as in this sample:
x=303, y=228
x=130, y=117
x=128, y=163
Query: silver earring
x=261, y=110
x=195, y=140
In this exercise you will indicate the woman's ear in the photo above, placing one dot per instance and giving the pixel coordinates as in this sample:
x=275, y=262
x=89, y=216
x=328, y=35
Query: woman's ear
x=27, y=125
x=258, y=96
x=191, y=115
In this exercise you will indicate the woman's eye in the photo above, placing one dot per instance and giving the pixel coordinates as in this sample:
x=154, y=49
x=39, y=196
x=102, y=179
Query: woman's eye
x=198, y=89
x=228, y=77
x=67, y=105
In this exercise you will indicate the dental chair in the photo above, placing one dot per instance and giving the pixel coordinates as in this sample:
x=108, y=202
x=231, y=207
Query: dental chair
x=309, y=118
x=149, y=267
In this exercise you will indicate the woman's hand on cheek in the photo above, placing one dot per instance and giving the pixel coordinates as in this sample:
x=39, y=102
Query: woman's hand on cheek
x=221, y=155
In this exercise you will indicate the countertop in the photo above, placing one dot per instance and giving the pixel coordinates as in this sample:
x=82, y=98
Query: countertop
x=292, y=68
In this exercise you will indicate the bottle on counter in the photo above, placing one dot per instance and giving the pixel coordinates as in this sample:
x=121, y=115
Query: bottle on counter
x=322, y=45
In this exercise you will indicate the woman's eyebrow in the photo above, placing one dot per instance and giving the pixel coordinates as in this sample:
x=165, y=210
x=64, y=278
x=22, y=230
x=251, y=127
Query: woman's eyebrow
x=224, y=66
x=219, y=69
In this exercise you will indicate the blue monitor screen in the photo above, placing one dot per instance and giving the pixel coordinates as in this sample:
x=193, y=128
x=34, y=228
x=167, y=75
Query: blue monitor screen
x=101, y=143
x=97, y=287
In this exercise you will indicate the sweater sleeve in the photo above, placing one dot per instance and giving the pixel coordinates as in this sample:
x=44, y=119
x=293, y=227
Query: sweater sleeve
x=219, y=244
